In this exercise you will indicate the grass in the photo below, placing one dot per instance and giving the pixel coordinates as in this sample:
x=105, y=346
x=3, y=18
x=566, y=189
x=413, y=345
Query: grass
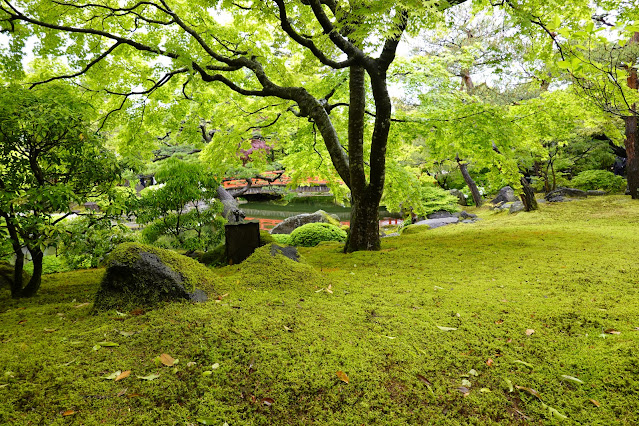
x=569, y=272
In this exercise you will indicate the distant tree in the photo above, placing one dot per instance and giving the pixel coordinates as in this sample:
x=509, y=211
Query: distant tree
x=51, y=161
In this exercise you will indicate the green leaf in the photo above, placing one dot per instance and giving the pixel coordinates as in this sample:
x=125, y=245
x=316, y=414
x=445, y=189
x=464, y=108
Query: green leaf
x=149, y=377
x=554, y=412
x=518, y=361
x=572, y=379
x=207, y=420
x=111, y=376
x=510, y=385
x=108, y=344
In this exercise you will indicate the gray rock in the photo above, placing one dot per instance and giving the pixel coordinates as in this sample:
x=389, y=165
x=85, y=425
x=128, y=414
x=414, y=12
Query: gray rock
x=464, y=215
x=517, y=206
x=436, y=223
x=467, y=221
x=561, y=193
x=291, y=223
x=392, y=234
x=289, y=252
x=440, y=214
x=461, y=198
x=594, y=193
x=140, y=278
x=505, y=195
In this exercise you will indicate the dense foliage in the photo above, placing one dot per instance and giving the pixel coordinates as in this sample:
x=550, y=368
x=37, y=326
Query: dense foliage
x=312, y=234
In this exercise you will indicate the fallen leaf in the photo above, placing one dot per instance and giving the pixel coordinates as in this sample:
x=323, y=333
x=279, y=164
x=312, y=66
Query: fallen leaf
x=529, y=331
x=596, y=403
x=484, y=390
x=267, y=401
x=612, y=331
x=68, y=413
x=328, y=289
x=510, y=385
x=122, y=392
x=21, y=322
x=207, y=420
x=149, y=377
x=517, y=361
x=138, y=311
x=473, y=372
x=207, y=373
x=466, y=383
x=49, y=330
x=531, y=391
x=499, y=322
x=342, y=376
x=133, y=395
x=464, y=390
x=108, y=344
x=509, y=341
x=572, y=379
x=490, y=362
x=215, y=366
x=446, y=328
x=128, y=333
x=438, y=287
x=191, y=363
x=82, y=305
x=123, y=375
x=111, y=376
x=167, y=360
x=423, y=379
x=554, y=412
x=287, y=328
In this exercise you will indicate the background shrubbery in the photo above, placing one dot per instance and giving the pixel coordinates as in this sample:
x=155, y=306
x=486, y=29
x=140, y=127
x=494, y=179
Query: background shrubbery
x=599, y=180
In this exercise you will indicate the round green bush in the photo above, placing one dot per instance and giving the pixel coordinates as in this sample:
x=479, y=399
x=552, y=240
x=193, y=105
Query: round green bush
x=599, y=179
x=311, y=234
x=281, y=238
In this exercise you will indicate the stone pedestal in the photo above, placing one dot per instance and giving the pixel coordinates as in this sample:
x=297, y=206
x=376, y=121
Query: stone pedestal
x=241, y=240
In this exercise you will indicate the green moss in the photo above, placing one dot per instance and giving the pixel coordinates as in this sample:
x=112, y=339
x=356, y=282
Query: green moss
x=281, y=238
x=264, y=271
x=567, y=271
x=311, y=234
x=414, y=229
x=265, y=238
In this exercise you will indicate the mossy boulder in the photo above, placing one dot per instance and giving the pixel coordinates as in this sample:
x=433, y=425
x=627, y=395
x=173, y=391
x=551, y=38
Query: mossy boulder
x=138, y=275
x=312, y=234
x=414, y=229
x=291, y=223
x=268, y=268
x=6, y=275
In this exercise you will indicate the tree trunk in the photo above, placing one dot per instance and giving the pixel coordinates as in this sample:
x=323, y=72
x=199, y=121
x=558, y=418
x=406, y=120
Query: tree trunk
x=463, y=166
x=33, y=286
x=364, y=232
x=528, y=197
x=632, y=149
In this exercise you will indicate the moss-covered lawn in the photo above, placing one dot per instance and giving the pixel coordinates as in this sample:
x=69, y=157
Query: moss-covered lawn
x=527, y=318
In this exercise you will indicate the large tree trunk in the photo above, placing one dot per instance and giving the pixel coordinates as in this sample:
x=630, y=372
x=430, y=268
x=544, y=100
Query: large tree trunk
x=37, y=256
x=632, y=149
x=463, y=166
x=364, y=232
x=528, y=197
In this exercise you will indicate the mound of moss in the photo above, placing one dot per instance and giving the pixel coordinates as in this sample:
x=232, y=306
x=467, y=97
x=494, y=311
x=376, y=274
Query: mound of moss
x=312, y=234
x=138, y=275
x=6, y=275
x=414, y=229
x=269, y=268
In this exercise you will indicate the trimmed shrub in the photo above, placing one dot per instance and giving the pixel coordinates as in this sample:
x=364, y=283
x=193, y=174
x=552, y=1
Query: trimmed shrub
x=599, y=180
x=281, y=238
x=311, y=234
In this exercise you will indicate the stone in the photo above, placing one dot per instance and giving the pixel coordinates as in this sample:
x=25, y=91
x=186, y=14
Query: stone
x=505, y=195
x=561, y=193
x=436, y=223
x=392, y=234
x=143, y=276
x=595, y=193
x=288, y=251
x=464, y=215
x=439, y=214
x=516, y=207
x=6, y=275
x=291, y=223
x=241, y=240
x=461, y=197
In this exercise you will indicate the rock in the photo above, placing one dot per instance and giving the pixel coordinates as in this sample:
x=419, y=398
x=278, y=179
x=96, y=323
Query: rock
x=595, y=193
x=143, y=276
x=436, y=223
x=505, y=195
x=461, y=197
x=289, y=252
x=293, y=222
x=464, y=215
x=561, y=193
x=439, y=214
x=392, y=234
x=516, y=207
x=6, y=275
